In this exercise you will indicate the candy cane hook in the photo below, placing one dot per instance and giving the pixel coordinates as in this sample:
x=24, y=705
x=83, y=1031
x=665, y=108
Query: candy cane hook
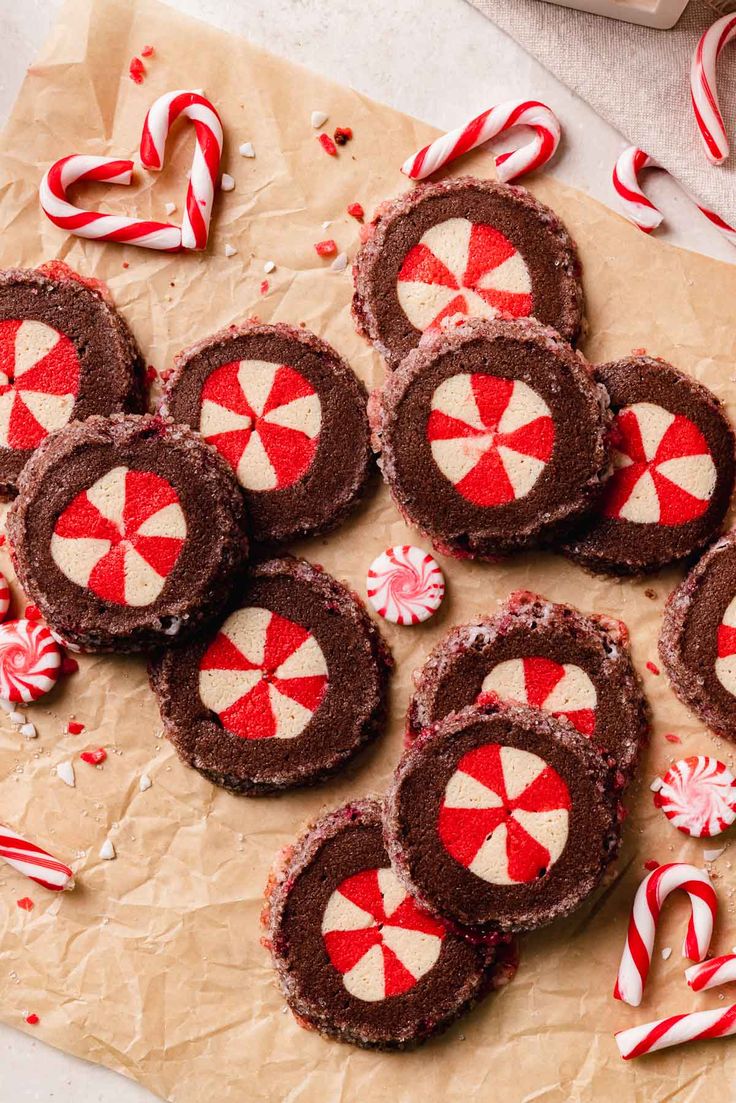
x=704, y=90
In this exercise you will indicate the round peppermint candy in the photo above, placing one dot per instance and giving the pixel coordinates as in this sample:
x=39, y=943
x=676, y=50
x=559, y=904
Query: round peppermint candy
x=673, y=470
x=289, y=686
x=493, y=437
x=698, y=794
x=128, y=531
x=405, y=585
x=356, y=957
x=65, y=353
x=288, y=415
x=30, y=661
x=463, y=248
x=501, y=817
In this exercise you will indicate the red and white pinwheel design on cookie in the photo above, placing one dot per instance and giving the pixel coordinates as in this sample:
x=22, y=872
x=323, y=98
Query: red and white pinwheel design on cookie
x=39, y=382
x=560, y=688
x=505, y=815
x=30, y=661
x=663, y=469
x=121, y=538
x=491, y=437
x=463, y=267
x=726, y=644
x=263, y=675
x=698, y=794
x=264, y=418
x=377, y=937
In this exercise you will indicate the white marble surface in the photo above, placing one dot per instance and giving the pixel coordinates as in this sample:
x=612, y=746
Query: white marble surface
x=437, y=59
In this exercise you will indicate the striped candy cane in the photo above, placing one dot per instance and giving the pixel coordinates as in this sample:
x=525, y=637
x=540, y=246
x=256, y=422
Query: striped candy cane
x=640, y=210
x=34, y=862
x=495, y=121
x=651, y=894
x=93, y=224
x=712, y=973
x=675, y=1030
x=206, y=164
x=704, y=91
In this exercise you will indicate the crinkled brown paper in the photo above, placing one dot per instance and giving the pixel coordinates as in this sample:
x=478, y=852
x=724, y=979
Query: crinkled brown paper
x=153, y=965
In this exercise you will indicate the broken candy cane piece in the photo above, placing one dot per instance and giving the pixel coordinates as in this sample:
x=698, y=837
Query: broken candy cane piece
x=675, y=1030
x=712, y=973
x=31, y=860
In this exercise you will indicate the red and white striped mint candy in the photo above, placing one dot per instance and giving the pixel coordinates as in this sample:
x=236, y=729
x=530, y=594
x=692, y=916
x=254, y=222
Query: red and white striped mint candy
x=39, y=382
x=563, y=689
x=663, y=468
x=121, y=538
x=405, y=584
x=263, y=675
x=505, y=815
x=264, y=418
x=30, y=661
x=698, y=794
x=726, y=645
x=463, y=267
x=491, y=437
x=377, y=937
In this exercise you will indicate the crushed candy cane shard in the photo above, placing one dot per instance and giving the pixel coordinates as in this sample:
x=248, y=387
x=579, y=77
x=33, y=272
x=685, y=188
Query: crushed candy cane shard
x=107, y=851
x=65, y=773
x=227, y=183
x=318, y=119
x=246, y=150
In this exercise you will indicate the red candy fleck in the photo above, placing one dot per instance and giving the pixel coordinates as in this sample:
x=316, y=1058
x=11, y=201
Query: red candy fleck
x=356, y=210
x=326, y=248
x=327, y=144
x=147, y=51
x=69, y=665
x=651, y=864
x=95, y=757
x=2, y=539
x=652, y=668
x=343, y=134
x=25, y=904
x=672, y=738
x=32, y=612
x=264, y=287
x=75, y=727
x=136, y=70
x=151, y=373
x=32, y=1019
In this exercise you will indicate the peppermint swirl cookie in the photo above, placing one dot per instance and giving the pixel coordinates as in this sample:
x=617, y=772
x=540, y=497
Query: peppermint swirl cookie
x=355, y=956
x=65, y=354
x=288, y=415
x=492, y=437
x=127, y=532
x=501, y=818
x=290, y=685
x=469, y=248
x=673, y=471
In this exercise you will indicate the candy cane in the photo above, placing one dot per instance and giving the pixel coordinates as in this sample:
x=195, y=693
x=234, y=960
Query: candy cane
x=34, y=862
x=675, y=1030
x=650, y=896
x=93, y=224
x=495, y=121
x=640, y=210
x=712, y=973
x=206, y=164
x=704, y=91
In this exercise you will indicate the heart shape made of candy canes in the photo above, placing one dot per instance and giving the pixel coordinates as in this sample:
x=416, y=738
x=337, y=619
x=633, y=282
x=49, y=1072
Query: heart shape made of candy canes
x=505, y=815
x=121, y=538
x=39, y=382
x=463, y=267
x=263, y=676
x=264, y=418
x=663, y=468
x=377, y=937
x=491, y=437
x=563, y=689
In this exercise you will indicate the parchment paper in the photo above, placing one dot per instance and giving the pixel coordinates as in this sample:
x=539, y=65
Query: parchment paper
x=153, y=964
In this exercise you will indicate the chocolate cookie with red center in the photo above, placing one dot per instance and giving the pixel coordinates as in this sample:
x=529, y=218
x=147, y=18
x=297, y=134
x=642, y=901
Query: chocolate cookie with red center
x=536, y=652
x=673, y=471
x=65, y=353
x=288, y=415
x=698, y=639
x=290, y=686
x=501, y=817
x=127, y=532
x=492, y=437
x=356, y=958
x=463, y=247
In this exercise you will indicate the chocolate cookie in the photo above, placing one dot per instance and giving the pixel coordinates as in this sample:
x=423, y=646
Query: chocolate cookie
x=291, y=685
x=698, y=639
x=501, y=817
x=288, y=415
x=127, y=532
x=535, y=652
x=65, y=353
x=493, y=437
x=355, y=957
x=463, y=247
x=673, y=471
